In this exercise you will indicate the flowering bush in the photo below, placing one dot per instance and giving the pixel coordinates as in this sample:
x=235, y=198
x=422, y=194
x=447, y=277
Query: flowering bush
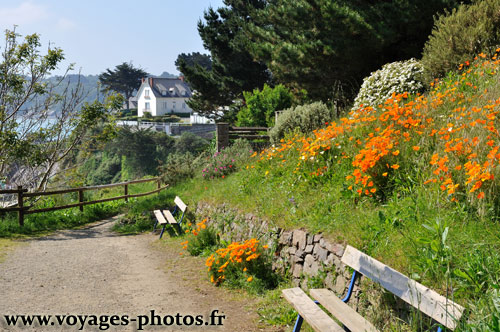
x=202, y=238
x=241, y=264
x=220, y=164
x=393, y=78
x=448, y=137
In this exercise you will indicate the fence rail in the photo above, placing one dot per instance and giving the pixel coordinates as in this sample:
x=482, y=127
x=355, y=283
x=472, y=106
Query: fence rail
x=225, y=132
x=22, y=193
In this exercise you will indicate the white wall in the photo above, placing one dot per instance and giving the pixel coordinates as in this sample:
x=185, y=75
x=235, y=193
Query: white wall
x=161, y=109
x=142, y=100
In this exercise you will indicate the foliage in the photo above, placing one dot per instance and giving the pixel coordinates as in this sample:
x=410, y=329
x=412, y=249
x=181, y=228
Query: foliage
x=233, y=68
x=143, y=149
x=260, y=106
x=202, y=239
x=138, y=214
x=242, y=265
x=178, y=167
x=220, y=164
x=192, y=60
x=315, y=45
x=459, y=35
x=395, y=77
x=189, y=142
x=32, y=144
x=304, y=118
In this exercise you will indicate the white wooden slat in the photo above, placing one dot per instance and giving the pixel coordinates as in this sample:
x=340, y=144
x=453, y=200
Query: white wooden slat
x=180, y=204
x=310, y=311
x=161, y=219
x=170, y=217
x=424, y=299
x=340, y=310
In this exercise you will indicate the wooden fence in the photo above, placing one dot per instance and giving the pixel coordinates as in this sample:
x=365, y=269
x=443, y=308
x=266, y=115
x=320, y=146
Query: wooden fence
x=22, y=193
x=225, y=132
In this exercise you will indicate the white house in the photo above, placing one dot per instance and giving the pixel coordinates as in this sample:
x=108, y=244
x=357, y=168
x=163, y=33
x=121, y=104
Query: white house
x=160, y=96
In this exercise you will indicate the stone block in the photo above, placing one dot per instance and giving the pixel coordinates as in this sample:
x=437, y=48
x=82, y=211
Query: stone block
x=299, y=239
x=320, y=253
x=317, y=238
x=286, y=238
x=340, y=285
x=309, y=249
x=297, y=270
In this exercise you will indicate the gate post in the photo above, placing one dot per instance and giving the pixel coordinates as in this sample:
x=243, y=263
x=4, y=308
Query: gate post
x=222, y=136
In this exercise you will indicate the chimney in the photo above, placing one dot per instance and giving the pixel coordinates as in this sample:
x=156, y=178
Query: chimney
x=181, y=78
x=143, y=80
x=151, y=82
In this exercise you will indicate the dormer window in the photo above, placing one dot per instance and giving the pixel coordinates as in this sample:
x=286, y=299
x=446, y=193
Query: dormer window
x=164, y=92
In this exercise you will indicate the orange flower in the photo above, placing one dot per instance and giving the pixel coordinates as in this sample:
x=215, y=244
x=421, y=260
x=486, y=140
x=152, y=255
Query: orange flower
x=250, y=279
x=416, y=148
x=395, y=166
x=481, y=195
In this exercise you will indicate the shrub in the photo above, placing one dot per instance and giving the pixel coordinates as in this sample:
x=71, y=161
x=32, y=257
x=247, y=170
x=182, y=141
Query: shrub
x=189, y=142
x=220, y=164
x=177, y=168
x=459, y=35
x=261, y=106
x=396, y=77
x=305, y=118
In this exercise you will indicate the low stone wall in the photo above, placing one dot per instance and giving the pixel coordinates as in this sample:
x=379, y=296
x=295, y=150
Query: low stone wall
x=309, y=259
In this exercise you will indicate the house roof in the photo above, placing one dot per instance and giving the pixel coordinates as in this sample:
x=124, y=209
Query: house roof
x=168, y=87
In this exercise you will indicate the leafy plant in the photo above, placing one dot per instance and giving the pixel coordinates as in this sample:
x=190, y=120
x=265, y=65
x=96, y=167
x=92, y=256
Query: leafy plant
x=260, y=106
x=435, y=254
x=304, y=118
x=177, y=168
x=242, y=265
x=202, y=239
x=220, y=164
x=461, y=34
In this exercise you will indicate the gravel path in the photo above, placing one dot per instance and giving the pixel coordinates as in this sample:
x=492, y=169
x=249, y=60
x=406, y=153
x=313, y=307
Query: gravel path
x=93, y=271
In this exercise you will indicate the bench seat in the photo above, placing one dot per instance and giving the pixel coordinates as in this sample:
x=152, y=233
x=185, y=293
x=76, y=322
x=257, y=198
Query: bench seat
x=340, y=310
x=313, y=314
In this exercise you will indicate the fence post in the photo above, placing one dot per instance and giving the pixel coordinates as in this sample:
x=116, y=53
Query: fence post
x=20, y=204
x=222, y=136
x=80, y=199
x=125, y=189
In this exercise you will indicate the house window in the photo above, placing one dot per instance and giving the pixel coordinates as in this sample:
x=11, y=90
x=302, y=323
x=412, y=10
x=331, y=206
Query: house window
x=147, y=106
x=173, y=105
x=183, y=106
x=146, y=93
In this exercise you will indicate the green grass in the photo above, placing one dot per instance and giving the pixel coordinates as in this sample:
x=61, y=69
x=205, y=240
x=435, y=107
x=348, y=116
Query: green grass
x=42, y=223
x=415, y=228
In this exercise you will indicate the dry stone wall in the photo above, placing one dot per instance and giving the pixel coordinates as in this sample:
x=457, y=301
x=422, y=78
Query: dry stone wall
x=309, y=259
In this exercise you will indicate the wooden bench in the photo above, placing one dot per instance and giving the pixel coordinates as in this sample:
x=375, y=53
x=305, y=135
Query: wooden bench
x=165, y=217
x=439, y=308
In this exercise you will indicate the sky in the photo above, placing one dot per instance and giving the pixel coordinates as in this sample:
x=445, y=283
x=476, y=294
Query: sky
x=96, y=35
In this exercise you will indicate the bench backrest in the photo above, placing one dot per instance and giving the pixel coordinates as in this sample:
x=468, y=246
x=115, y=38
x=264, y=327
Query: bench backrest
x=424, y=299
x=180, y=204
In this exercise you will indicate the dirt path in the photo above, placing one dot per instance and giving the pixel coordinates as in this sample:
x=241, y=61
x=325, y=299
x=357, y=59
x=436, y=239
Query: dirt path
x=93, y=271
